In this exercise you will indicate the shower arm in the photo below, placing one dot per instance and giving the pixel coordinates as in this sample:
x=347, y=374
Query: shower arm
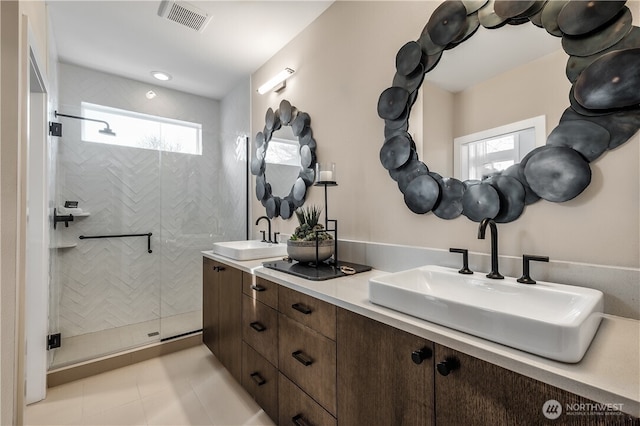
x=57, y=114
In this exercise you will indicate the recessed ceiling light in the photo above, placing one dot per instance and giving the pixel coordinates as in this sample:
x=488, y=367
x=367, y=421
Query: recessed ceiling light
x=150, y=94
x=162, y=76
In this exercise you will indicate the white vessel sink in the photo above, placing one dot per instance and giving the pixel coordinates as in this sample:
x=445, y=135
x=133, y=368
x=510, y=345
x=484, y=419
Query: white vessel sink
x=551, y=320
x=249, y=250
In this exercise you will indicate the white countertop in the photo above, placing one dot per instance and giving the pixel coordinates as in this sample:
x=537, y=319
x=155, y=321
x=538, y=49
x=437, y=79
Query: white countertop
x=608, y=373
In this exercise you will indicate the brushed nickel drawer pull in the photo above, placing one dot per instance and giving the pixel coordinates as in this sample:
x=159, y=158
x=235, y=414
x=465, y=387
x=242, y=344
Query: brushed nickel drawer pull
x=302, y=358
x=298, y=420
x=258, y=287
x=302, y=308
x=258, y=378
x=257, y=326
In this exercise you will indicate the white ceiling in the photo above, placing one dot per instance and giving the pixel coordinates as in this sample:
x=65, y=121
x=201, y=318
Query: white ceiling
x=129, y=39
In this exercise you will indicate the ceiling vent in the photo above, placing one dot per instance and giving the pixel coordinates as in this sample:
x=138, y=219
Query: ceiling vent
x=185, y=14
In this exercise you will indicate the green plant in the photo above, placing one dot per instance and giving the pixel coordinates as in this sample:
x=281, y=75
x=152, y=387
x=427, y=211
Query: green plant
x=309, y=228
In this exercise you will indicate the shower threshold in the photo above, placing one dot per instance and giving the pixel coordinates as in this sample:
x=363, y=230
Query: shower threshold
x=85, y=347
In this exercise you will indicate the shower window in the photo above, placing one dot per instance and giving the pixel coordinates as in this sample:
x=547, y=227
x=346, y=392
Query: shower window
x=137, y=130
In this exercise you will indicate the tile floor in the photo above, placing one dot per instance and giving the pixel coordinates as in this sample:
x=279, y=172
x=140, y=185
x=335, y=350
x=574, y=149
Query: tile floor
x=189, y=387
x=88, y=346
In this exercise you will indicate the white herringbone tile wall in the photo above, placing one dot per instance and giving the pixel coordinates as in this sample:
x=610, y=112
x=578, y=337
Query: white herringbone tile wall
x=186, y=201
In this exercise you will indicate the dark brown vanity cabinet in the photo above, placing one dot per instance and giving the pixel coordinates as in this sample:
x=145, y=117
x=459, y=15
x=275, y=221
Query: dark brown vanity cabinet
x=385, y=375
x=305, y=361
x=222, y=313
x=389, y=377
x=475, y=392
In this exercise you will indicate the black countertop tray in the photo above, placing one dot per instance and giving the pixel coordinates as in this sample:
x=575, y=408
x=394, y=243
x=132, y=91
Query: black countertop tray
x=324, y=271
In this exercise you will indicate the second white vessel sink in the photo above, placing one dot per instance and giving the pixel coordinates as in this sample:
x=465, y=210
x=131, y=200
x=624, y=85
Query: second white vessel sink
x=555, y=321
x=249, y=249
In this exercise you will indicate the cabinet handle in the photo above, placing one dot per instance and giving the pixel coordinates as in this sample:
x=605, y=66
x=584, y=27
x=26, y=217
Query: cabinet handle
x=298, y=420
x=257, y=326
x=219, y=268
x=258, y=378
x=257, y=287
x=420, y=355
x=302, y=308
x=448, y=365
x=302, y=358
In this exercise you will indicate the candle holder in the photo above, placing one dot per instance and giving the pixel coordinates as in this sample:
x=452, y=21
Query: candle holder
x=326, y=173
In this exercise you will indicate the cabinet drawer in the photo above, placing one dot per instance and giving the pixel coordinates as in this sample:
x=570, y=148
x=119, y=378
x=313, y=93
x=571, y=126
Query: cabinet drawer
x=296, y=407
x=260, y=379
x=263, y=290
x=260, y=328
x=309, y=360
x=312, y=312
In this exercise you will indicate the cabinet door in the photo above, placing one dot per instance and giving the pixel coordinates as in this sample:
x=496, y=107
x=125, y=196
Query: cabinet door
x=210, y=303
x=378, y=381
x=480, y=393
x=230, y=308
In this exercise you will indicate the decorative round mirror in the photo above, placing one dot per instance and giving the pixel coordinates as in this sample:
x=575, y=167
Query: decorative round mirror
x=284, y=160
x=603, y=112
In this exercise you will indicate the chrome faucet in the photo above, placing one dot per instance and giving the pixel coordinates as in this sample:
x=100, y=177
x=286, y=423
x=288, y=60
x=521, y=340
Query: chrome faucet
x=494, y=246
x=269, y=228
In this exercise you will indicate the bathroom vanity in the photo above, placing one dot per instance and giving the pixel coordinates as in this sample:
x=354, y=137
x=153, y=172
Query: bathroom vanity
x=321, y=353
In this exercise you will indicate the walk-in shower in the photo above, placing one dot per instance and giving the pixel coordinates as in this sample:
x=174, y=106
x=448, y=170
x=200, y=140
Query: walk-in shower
x=127, y=269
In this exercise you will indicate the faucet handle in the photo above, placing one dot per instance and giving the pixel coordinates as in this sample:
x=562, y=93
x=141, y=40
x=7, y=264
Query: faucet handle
x=465, y=260
x=275, y=237
x=264, y=238
x=525, y=278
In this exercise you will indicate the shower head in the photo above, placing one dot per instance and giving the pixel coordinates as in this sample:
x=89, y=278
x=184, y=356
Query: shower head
x=107, y=131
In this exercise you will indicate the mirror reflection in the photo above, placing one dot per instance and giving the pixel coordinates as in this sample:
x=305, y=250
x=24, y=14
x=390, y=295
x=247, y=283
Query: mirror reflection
x=282, y=161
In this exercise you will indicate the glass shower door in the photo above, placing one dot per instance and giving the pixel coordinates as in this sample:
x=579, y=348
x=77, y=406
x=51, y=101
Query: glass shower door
x=105, y=290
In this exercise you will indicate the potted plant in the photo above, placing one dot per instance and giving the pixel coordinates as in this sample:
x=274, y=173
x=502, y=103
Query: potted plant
x=308, y=235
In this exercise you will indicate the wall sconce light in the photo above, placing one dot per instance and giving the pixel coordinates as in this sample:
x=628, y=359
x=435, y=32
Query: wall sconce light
x=278, y=82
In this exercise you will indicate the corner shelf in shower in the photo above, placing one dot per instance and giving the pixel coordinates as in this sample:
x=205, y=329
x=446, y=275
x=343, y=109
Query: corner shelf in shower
x=64, y=245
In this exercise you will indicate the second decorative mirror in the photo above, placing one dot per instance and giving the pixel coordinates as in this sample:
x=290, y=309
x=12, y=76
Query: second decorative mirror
x=284, y=160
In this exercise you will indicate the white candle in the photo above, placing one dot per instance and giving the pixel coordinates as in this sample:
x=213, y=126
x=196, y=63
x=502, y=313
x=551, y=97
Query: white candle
x=326, y=176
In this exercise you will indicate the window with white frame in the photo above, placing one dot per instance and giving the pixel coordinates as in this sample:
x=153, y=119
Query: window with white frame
x=134, y=129
x=486, y=153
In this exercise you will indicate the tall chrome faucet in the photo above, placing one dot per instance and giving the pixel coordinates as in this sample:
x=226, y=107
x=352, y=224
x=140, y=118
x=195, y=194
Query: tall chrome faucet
x=494, y=246
x=269, y=228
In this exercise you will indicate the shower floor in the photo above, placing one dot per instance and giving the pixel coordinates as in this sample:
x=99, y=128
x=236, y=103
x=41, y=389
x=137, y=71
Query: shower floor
x=105, y=342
